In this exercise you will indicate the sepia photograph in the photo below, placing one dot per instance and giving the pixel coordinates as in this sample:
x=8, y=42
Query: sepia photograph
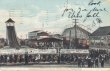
x=54, y=35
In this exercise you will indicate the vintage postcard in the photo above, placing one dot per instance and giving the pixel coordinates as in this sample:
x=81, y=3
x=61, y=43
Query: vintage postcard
x=54, y=35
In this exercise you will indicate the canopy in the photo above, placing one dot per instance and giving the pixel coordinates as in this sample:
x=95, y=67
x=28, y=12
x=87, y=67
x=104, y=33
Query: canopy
x=29, y=50
x=49, y=39
x=7, y=51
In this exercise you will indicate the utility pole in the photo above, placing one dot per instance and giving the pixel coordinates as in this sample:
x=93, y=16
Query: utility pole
x=75, y=26
x=70, y=39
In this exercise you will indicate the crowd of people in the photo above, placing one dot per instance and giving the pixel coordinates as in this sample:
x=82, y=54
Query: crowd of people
x=28, y=58
x=96, y=58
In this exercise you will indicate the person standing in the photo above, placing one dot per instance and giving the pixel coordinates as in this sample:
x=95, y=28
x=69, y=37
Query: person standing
x=79, y=62
x=96, y=62
x=83, y=62
x=58, y=61
x=15, y=58
x=89, y=61
x=26, y=58
x=92, y=63
x=102, y=62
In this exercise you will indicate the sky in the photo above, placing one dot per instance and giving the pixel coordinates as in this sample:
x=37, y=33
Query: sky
x=31, y=15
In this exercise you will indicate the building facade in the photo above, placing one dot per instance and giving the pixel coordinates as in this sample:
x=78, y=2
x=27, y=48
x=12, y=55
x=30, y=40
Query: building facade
x=41, y=39
x=36, y=34
x=101, y=37
x=2, y=42
x=69, y=35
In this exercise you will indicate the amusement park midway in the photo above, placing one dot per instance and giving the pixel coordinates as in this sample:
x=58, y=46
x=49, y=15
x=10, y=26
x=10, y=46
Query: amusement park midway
x=42, y=49
x=74, y=47
x=46, y=50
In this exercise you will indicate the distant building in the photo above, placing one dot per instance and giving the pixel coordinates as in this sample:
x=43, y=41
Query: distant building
x=2, y=42
x=101, y=36
x=11, y=34
x=69, y=36
x=58, y=36
x=41, y=39
x=36, y=34
x=69, y=33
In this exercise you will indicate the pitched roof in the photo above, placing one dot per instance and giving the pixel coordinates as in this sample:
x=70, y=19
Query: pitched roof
x=42, y=33
x=37, y=31
x=101, y=31
x=10, y=21
x=83, y=30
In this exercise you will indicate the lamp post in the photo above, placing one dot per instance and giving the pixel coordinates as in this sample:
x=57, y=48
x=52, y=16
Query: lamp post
x=107, y=38
x=75, y=26
x=26, y=56
x=58, y=51
x=70, y=39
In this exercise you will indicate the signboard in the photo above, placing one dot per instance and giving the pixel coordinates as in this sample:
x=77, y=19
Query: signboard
x=74, y=51
x=43, y=51
x=95, y=48
x=30, y=51
x=11, y=51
